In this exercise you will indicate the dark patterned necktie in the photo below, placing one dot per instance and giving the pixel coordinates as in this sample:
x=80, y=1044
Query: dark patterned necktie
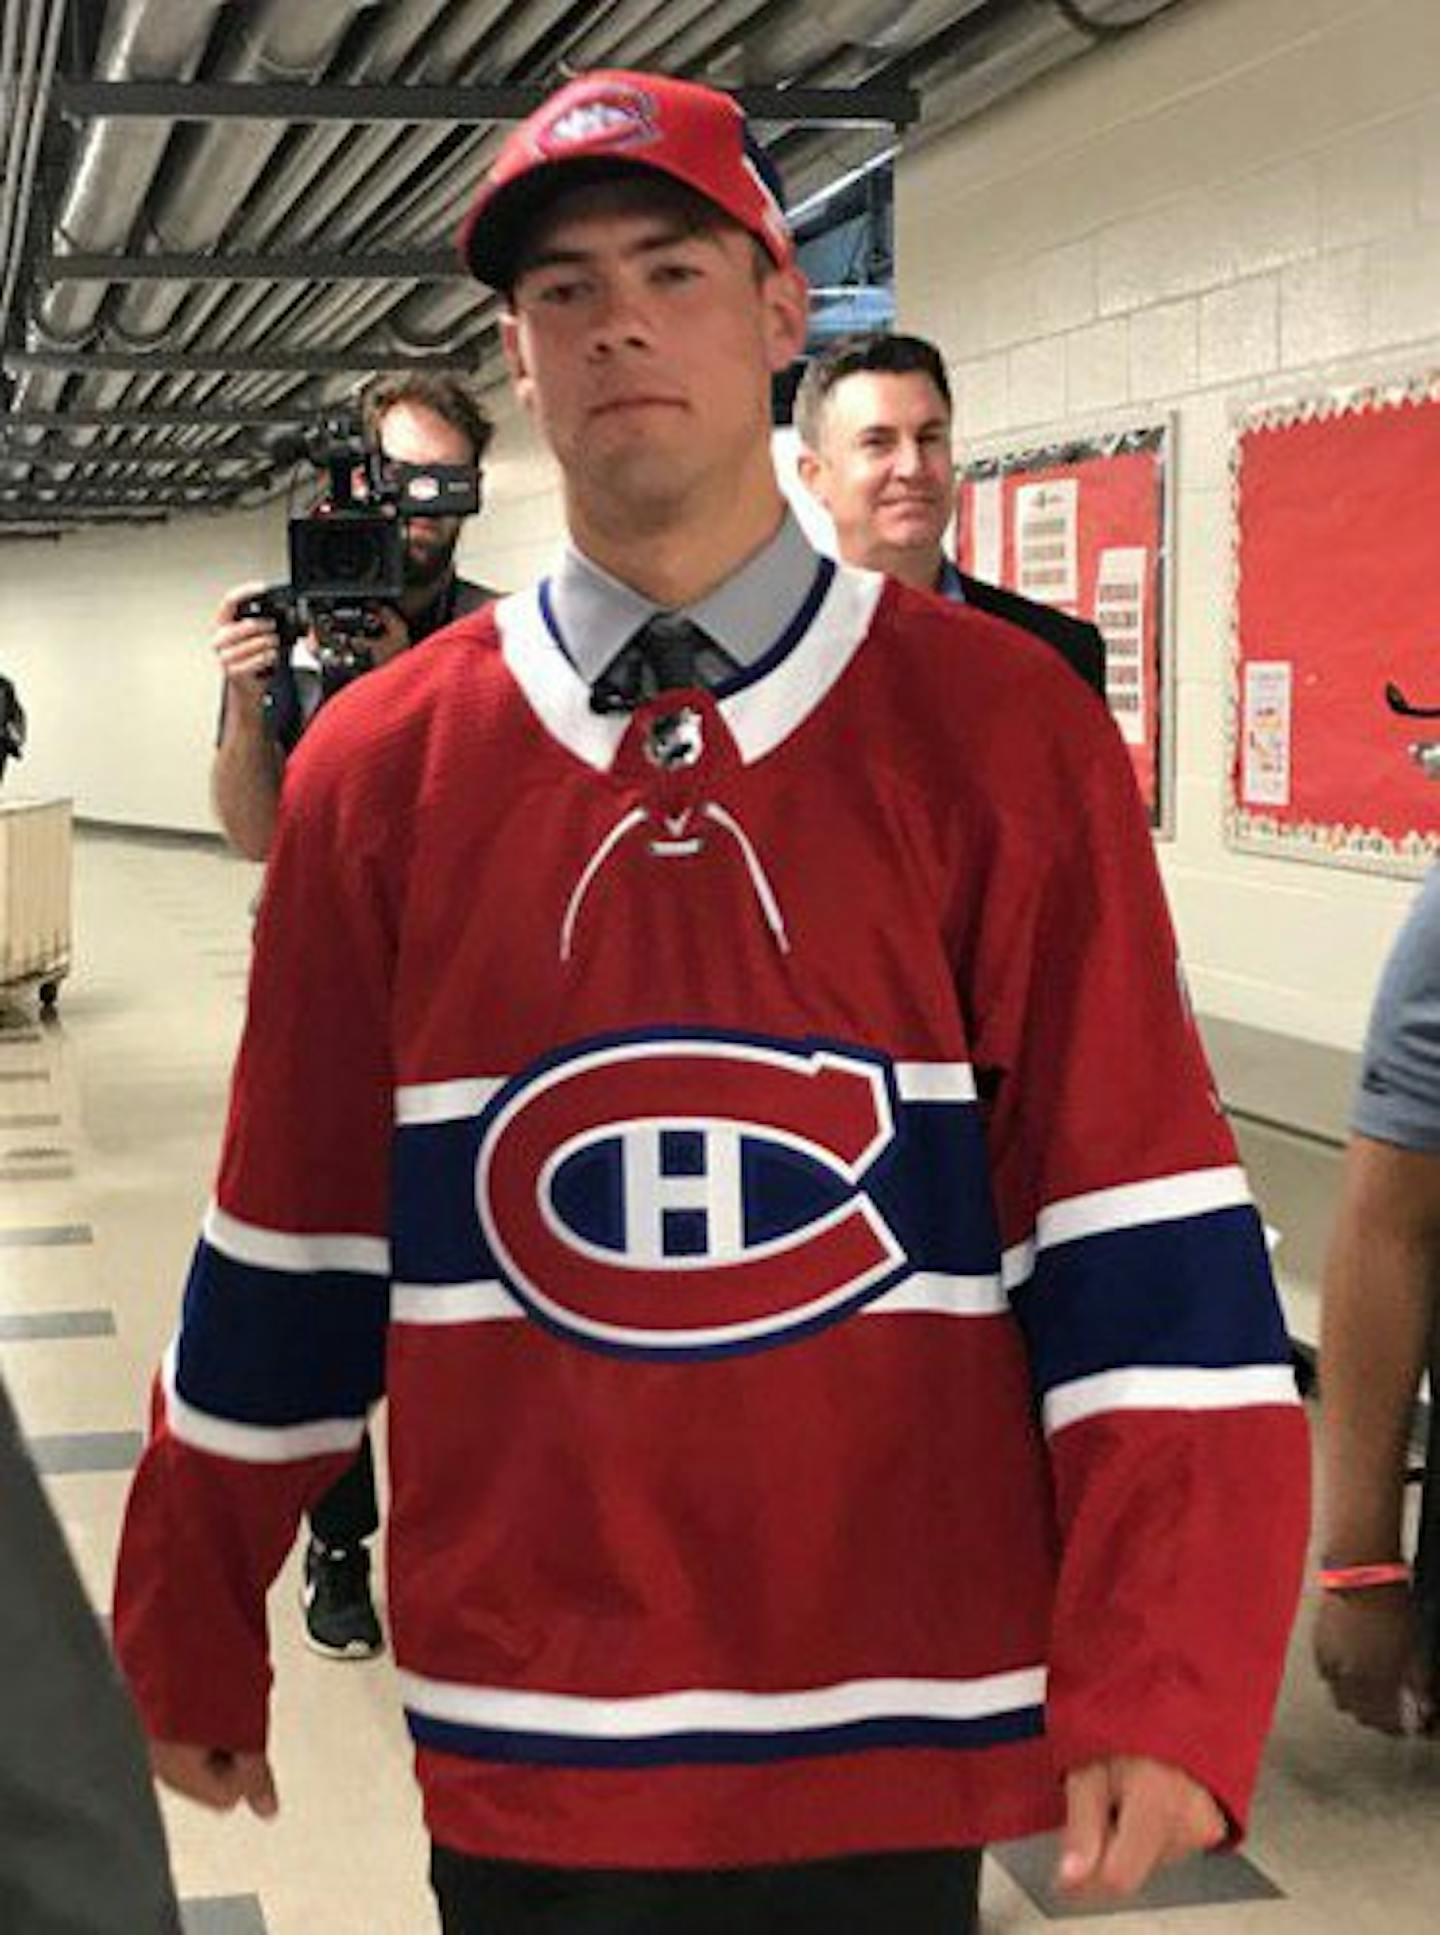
x=667, y=654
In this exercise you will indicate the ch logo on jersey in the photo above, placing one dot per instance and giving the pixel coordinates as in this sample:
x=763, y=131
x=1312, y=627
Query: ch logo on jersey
x=690, y=1196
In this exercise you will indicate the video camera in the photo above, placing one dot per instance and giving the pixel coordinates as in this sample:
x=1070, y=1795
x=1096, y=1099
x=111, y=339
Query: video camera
x=347, y=558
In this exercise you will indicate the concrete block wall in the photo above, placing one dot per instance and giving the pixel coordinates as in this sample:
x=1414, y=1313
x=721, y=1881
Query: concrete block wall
x=1241, y=202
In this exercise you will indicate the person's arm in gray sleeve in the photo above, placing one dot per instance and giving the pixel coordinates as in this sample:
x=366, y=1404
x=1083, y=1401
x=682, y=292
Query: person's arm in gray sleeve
x=82, y=1851
x=1382, y=1272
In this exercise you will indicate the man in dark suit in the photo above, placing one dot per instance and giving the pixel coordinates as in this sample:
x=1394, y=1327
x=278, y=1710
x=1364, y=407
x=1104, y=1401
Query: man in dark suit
x=875, y=425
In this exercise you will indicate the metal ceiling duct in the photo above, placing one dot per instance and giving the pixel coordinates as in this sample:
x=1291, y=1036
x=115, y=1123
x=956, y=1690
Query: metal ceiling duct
x=286, y=187
x=282, y=42
x=117, y=160
x=120, y=162
x=27, y=68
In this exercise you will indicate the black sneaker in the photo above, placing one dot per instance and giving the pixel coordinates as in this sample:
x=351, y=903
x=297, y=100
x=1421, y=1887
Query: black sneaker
x=340, y=1619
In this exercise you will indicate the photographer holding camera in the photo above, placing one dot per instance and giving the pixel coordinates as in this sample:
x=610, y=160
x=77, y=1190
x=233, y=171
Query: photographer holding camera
x=417, y=419
x=414, y=424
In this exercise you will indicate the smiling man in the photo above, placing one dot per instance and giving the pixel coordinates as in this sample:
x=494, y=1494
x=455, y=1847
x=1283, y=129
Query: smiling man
x=875, y=420
x=839, y=1412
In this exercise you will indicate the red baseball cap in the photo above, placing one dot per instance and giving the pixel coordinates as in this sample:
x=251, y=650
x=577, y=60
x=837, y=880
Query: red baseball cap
x=612, y=121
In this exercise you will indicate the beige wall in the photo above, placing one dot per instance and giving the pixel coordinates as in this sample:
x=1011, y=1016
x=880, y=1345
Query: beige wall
x=106, y=635
x=1242, y=201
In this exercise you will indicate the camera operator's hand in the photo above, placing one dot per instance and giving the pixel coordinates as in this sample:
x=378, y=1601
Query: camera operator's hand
x=246, y=649
x=245, y=773
x=392, y=636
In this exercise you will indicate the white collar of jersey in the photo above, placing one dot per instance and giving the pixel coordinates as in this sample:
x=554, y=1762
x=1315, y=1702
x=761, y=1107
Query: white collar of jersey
x=761, y=712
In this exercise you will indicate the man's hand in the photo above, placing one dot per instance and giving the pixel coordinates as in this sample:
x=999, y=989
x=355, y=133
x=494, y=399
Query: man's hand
x=246, y=648
x=393, y=636
x=1124, y=1819
x=216, y=1777
x=1368, y=1651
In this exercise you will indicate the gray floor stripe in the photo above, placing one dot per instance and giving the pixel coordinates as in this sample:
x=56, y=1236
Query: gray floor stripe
x=45, y=1237
x=24, y=1074
x=223, y=1915
x=42, y=1324
x=1209, y=1881
x=67, y=1453
x=39, y=1172
x=30, y=1121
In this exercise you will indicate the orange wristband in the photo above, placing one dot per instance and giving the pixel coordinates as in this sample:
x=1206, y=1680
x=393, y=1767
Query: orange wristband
x=1356, y=1578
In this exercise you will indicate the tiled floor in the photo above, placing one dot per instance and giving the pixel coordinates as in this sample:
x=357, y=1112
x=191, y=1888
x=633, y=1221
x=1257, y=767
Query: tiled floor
x=125, y=1094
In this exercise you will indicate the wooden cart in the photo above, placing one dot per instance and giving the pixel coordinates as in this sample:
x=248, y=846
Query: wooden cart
x=34, y=896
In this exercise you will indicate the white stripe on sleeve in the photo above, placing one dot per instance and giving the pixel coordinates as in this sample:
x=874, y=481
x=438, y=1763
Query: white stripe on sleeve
x=289, y=1250
x=1165, y=1199
x=1157, y=1387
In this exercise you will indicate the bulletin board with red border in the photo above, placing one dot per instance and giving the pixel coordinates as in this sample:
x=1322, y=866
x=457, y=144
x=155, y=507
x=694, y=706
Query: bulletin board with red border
x=1336, y=593
x=1084, y=525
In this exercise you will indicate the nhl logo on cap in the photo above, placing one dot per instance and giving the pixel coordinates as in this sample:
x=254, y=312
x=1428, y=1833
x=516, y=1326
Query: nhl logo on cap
x=620, y=117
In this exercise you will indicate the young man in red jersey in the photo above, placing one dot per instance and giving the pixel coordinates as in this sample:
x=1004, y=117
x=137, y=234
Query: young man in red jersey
x=839, y=1414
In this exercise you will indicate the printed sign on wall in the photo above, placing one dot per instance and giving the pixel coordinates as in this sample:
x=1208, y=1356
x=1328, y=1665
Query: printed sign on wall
x=1083, y=526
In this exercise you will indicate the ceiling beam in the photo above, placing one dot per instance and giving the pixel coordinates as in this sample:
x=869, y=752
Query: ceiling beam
x=52, y=448
x=356, y=360
x=854, y=107
x=295, y=266
x=159, y=418
x=105, y=457
x=38, y=522
x=91, y=502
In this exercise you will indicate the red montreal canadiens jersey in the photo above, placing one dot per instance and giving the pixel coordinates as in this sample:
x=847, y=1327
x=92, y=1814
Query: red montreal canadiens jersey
x=759, y=1147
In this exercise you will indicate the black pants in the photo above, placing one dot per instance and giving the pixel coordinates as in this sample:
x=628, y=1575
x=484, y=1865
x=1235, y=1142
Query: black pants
x=348, y=1512
x=930, y=1893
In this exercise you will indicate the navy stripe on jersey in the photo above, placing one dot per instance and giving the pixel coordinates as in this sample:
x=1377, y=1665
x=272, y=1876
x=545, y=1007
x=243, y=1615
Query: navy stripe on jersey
x=1191, y=1292
x=722, y=1749
x=280, y=1347
x=931, y=1185
x=933, y=1188
x=436, y=1235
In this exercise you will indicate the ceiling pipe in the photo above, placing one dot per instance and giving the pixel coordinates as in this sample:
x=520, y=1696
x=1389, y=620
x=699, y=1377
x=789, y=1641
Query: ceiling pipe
x=282, y=41
x=14, y=72
x=30, y=100
x=116, y=161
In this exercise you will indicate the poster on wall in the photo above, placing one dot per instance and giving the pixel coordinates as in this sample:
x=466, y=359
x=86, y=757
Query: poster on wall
x=1336, y=596
x=1083, y=525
